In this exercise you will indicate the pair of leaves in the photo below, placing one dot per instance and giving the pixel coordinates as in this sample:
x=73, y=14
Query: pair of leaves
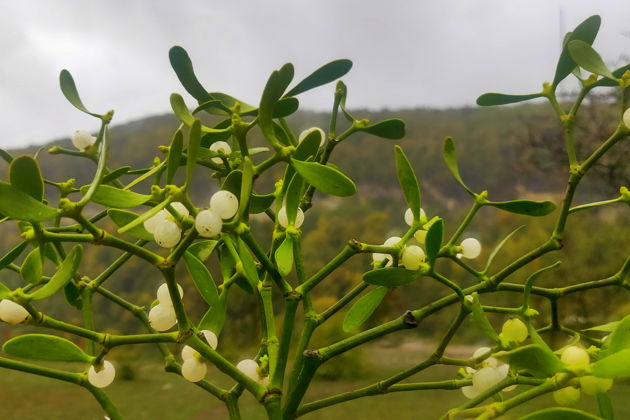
x=587, y=58
x=45, y=347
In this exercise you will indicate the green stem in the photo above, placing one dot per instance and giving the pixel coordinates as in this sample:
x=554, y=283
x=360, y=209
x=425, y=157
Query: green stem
x=464, y=224
x=88, y=316
x=347, y=252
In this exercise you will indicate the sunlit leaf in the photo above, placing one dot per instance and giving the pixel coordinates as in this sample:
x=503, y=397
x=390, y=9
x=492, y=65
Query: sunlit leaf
x=109, y=196
x=363, y=309
x=64, y=274
x=202, y=279
x=325, y=178
x=24, y=174
x=587, y=58
x=45, y=347
x=4, y=291
x=390, y=276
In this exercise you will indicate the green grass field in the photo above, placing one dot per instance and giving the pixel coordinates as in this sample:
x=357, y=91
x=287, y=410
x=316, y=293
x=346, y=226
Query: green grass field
x=154, y=394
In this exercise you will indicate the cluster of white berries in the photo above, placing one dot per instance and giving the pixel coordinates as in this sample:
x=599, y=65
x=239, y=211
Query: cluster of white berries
x=308, y=131
x=220, y=147
x=491, y=373
x=411, y=256
x=162, y=316
x=250, y=368
x=163, y=227
x=194, y=368
x=626, y=118
x=82, y=140
x=575, y=356
x=223, y=205
x=103, y=375
x=11, y=312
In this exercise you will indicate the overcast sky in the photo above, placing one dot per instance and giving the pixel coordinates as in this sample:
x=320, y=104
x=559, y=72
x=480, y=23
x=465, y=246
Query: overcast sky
x=406, y=53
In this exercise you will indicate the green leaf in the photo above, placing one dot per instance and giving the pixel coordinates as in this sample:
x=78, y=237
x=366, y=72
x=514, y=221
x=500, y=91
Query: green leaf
x=109, y=196
x=233, y=183
x=214, y=319
x=115, y=174
x=4, y=291
x=174, y=156
x=492, y=99
x=285, y=107
x=616, y=365
x=433, y=241
x=10, y=256
x=450, y=158
x=479, y=317
x=612, y=83
x=388, y=129
x=284, y=256
x=214, y=106
x=585, y=31
x=535, y=359
x=525, y=207
x=6, y=156
x=138, y=221
x=45, y=347
x=409, y=183
x=194, y=139
x=619, y=338
x=31, y=270
x=20, y=206
x=203, y=249
x=69, y=90
x=390, y=276
x=123, y=218
x=181, y=63
x=363, y=309
x=605, y=406
x=64, y=274
x=342, y=92
x=587, y=58
x=325, y=74
x=230, y=102
x=24, y=174
x=260, y=203
x=185, y=116
x=309, y=146
x=497, y=248
x=608, y=327
x=202, y=279
x=249, y=265
x=275, y=87
x=293, y=197
x=73, y=295
x=325, y=178
x=560, y=413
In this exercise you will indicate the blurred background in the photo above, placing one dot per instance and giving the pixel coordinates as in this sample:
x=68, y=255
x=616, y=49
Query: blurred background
x=424, y=62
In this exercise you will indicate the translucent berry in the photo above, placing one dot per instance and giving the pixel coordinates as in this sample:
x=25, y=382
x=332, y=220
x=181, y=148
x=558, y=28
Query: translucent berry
x=412, y=257
x=81, y=139
x=391, y=241
x=592, y=385
x=208, y=223
x=264, y=381
x=284, y=220
x=211, y=338
x=179, y=208
x=151, y=223
x=102, y=376
x=250, y=368
x=224, y=203
x=11, y=312
x=485, y=378
x=162, y=317
x=188, y=353
x=469, y=392
x=471, y=248
x=409, y=216
x=567, y=396
x=574, y=355
x=306, y=132
x=163, y=295
x=420, y=235
x=194, y=369
x=220, y=146
x=514, y=330
x=167, y=234
x=626, y=118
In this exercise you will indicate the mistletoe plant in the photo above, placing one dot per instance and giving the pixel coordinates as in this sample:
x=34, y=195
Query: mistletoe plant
x=279, y=374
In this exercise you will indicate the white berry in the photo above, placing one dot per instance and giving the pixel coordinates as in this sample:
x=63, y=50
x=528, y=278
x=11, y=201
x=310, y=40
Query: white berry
x=220, y=146
x=208, y=223
x=392, y=241
x=163, y=295
x=188, y=353
x=412, y=257
x=420, y=235
x=250, y=368
x=194, y=369
x=284, y=220
x=162, y=317
x=81, y=139
x=574, y=355
x=211, y=338
x=11, y=312
x=306, y=132
x=102, y=377
x=151, y=223
x=485, y=378
x=471, y=248
x=180, y=208
x=224, y=203
x=514, y=330
x=567, y=396
x=626, y=118
x=167, y=234
x=469, y=392
x=409, y=216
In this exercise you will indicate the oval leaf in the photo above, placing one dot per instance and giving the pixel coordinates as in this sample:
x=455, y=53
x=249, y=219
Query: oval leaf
x=109, y=196
x=525, y=207
x=260, y=203
x=450, y=158
x=24, y=174
x=326, y=179
x=390, y=276
x=64, y=274
x=203, y=249
x=10, y=256
x=202, y=279
x=612, y=83
x=249, y=265
x=560, y=413
x=585, y=31
x=284, y=256
x=275, y=87
x=388, y=129
x=325, y=74
x=31, y=270
x=616, y=365
x=363, y=309
x=181, y=63
x=194, y=140
x=619, y=338
x=285, y=107
x=409, y=183
x=433, y=241
x=214, y=318
x=479, y=317
x=20, y=206
x=115, y=174
x=535, y=359
x=123, y=218
x=491, y=99
x=587, y=58
x=69, y=90
x=45, y=347
x=174, y=156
